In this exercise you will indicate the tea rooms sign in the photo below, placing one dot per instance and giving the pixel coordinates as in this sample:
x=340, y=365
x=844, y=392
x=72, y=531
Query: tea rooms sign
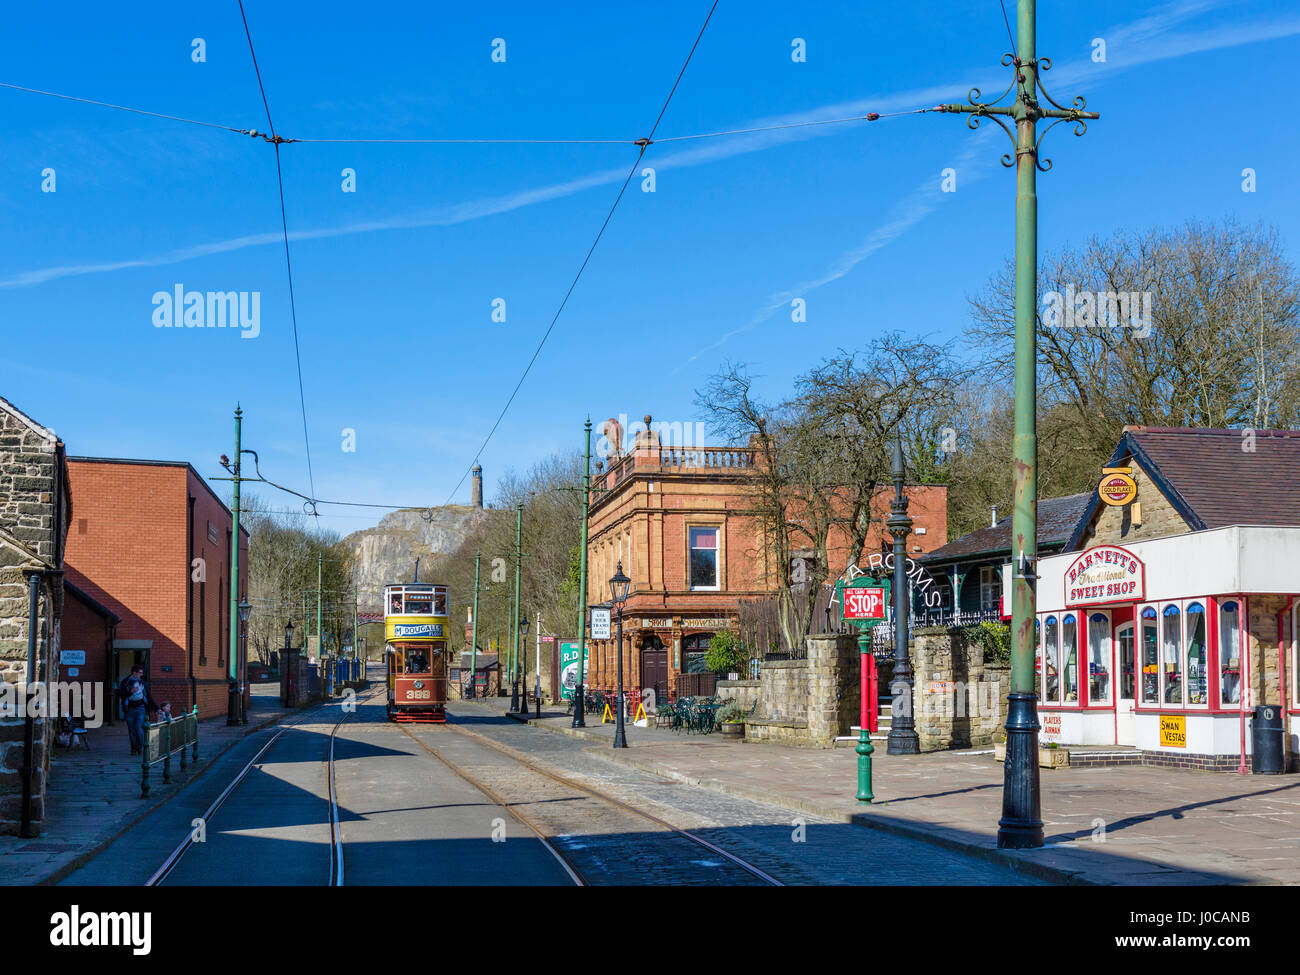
x=1105, y=574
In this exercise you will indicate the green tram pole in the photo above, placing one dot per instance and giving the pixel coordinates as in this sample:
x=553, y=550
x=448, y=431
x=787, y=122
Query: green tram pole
x=473, y=648
x=514, y=617
x=232, y=706
x=1021, y=825
x=579, y=702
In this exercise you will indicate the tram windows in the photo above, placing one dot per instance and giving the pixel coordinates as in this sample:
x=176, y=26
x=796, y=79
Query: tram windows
x=440, y=602
x=417, y=662
x=395, y=603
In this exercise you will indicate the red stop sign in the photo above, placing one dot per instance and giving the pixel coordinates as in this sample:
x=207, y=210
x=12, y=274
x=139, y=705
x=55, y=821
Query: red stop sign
x=864, y=604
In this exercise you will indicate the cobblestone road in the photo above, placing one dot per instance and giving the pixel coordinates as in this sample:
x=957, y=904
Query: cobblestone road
x=795, y=848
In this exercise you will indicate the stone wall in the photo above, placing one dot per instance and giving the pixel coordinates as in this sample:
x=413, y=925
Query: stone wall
x=742, y=692
x=959, y=700
x=808, y=702
x=33, y=528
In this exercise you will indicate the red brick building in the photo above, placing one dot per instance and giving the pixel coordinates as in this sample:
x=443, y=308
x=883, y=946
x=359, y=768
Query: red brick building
x=680, y=521
x=149, y=544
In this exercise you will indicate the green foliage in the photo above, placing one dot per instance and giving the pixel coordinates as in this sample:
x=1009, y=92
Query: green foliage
x=726, y=653
x=993, y=638
x=731, y=712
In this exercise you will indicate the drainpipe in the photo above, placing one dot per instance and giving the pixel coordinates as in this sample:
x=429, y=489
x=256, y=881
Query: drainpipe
x=29, y=722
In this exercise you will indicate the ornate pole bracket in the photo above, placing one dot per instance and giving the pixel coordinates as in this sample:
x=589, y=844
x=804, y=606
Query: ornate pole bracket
x=1025, y=107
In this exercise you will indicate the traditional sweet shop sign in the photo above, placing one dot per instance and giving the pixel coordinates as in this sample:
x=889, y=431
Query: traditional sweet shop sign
x=1105, y=574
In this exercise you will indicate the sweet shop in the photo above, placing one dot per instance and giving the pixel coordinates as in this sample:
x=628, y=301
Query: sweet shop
x=1167, y=625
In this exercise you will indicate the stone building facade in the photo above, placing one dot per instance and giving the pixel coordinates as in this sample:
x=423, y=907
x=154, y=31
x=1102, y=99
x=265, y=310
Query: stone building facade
x=681, y=522
x=35, y=505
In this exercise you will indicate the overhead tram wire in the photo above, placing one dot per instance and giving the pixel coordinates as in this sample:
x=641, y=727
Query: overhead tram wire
x=642, y=145
x=288, y=263
x=280, y=140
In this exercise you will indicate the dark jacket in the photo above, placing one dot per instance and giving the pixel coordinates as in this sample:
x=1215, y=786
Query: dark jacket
x=124, y=693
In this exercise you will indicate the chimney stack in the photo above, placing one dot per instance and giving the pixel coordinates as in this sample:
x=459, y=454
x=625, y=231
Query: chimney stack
x=994, y=523
x=476, y=486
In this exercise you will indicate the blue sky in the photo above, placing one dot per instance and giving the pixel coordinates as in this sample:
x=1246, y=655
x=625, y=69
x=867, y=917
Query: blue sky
x=395, y=282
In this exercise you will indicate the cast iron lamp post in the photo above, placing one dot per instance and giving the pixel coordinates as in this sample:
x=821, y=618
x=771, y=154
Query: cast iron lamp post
x=903, y=739
x=286, y=673
x=522, y=665
x=618, y=587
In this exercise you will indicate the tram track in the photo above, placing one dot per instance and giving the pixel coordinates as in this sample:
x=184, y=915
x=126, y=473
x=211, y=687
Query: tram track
x=566, y=860
x=336, y=875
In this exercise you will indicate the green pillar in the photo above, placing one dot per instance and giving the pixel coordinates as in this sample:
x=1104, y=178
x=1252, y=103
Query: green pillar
x=320, y=635
x=234, y=551
x=579, y=705
x=514, y=616
x=473, y=649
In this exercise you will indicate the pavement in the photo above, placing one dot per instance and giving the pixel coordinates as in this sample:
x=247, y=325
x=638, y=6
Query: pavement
x=93, y=796
x=1104, y=825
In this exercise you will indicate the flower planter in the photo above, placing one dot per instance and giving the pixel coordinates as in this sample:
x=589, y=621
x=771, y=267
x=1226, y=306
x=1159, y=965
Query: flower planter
x=733, y=729
x=1047, y=757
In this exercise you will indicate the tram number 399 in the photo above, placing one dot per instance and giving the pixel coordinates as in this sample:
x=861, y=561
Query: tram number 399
x=418, y=695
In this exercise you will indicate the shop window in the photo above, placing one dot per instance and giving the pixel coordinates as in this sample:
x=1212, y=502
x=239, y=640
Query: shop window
x=1229, y=653
x=1070, y=653
x=1127, y=674
x=1051, y=661
x=694, y=649
x=1171, y=645
x=1150, y=657
x=1099, y=658
x=704, y=558
x=1038, y=654
x=1197, y=674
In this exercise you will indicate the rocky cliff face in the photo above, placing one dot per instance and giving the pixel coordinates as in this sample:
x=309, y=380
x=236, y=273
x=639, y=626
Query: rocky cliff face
x=387, y=552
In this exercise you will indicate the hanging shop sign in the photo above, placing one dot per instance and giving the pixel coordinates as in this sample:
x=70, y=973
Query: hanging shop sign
x=599, y=623
x=1105, y=574
x=1117, y=486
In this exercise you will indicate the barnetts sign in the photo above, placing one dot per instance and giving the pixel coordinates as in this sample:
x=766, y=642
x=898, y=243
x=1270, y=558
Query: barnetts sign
x=1105, y=574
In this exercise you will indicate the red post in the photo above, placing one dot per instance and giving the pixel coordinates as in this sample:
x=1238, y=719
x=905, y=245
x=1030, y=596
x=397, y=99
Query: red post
x=870, y=694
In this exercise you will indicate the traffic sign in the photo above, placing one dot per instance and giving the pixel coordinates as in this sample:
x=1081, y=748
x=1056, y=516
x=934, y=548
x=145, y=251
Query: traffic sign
x=599, y=623
x=866, y=603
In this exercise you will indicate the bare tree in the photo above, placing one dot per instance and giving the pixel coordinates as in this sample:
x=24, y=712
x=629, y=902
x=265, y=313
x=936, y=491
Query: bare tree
x=824, y=455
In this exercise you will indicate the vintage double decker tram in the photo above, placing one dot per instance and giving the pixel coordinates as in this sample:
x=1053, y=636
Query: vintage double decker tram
x=415, y=634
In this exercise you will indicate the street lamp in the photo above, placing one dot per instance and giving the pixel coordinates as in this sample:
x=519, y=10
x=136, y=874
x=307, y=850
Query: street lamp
x=618, y=587
x=234, y=710
x=903, y=739
x=286, y=671
x=521, y=666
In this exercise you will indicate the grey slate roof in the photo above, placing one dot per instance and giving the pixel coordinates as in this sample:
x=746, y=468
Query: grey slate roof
x=1057, y=518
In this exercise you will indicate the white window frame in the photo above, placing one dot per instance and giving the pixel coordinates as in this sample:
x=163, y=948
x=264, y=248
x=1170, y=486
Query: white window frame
x=1117, y=654
x=1107, y=656
x=717, y=557
x=990, y=582
x=1223, y=652
x=1204, y=603
x=1139, y=654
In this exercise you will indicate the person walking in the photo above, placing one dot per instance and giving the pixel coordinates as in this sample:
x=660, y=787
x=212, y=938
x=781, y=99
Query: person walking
x=134, y=692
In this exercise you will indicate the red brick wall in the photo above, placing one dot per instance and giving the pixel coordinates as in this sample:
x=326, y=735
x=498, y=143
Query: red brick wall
x=84, y=629
x=127, y=548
